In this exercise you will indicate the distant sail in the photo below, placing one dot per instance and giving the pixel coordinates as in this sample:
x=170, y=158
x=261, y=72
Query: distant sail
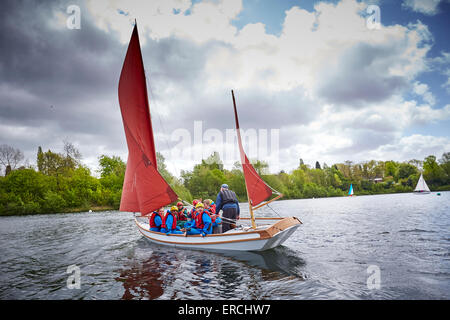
x=144, y=189
x=350, y=191
x=421, y=185
x=257, y=189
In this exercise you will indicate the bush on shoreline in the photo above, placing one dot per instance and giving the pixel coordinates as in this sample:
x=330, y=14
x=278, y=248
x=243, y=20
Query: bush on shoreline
x=62, y=184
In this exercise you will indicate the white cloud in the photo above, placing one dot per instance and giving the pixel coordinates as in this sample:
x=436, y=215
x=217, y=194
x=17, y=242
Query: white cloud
x=327, y=64
x=428, y=7
x=335, y=88
x=422, y=89
x=415, y=146
x=199, y=22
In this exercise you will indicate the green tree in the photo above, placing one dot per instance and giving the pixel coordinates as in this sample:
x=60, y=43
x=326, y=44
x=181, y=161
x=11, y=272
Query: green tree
x=261, y=167
x=391, y=169
x=406, y=169
x=432, y=173
x=445, y=165
x=40, y=159
x=111, y=165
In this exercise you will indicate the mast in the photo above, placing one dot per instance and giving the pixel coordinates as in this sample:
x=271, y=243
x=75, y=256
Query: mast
x=238, y=131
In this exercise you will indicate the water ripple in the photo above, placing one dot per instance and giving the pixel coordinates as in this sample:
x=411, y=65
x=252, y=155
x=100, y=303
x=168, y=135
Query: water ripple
x=328, y=257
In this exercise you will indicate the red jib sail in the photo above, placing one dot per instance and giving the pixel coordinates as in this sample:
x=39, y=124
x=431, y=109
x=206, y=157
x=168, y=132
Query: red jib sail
x=257, y=189
x=144, y=189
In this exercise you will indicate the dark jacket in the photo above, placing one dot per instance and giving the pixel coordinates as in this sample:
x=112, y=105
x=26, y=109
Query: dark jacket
x=227, y=199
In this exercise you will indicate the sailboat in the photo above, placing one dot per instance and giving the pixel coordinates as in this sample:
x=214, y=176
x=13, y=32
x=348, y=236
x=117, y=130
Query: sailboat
x=421, y=187
x=145, y=190
x=350, y=191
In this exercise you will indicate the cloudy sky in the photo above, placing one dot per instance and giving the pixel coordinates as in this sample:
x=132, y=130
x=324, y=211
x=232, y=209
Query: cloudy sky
x=313, y=80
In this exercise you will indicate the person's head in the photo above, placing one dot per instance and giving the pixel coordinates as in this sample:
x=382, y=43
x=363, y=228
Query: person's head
x=180, y=205
x=174, y=209
x=224, y=187
x=199, y=207
x=206, y=203
x=194, y=203
x=161, y=210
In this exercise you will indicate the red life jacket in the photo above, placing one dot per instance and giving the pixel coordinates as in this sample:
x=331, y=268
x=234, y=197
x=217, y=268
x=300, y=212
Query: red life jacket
x=212, y=208
x=174, y=223
x=211, y=214
x=199, y=219
x=192, y=213
x=181, y=215
x=152, y=219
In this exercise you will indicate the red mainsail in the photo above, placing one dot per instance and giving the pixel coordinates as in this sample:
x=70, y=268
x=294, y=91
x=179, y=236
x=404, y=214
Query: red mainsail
x=144, y=189
x=257, y=189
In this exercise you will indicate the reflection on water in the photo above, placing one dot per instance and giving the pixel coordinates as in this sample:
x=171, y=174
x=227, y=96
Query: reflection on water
x=142, y=280
x=406, y=236
x=214, y=274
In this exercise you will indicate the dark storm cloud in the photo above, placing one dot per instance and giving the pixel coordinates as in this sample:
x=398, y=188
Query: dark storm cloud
x=36, y=55
x=361, y=75
x=56, y=83
x=56, y=67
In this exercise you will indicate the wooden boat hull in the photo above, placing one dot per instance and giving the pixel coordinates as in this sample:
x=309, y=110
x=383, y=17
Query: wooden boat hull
x=246, y=239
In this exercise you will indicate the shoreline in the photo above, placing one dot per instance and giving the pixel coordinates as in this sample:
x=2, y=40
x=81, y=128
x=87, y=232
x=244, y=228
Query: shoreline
x=112, y=208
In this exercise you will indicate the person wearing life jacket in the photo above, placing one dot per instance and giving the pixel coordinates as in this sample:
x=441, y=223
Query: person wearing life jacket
x=215, y=217
x=210, y=206
x=202, y=223
x=228, y=202
x=156, y=220
x=191, y=213
x=181, y=214
x=169, y=223
x=190, y=223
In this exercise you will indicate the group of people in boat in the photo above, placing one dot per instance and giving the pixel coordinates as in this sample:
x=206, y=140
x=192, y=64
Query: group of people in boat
x=204, y=218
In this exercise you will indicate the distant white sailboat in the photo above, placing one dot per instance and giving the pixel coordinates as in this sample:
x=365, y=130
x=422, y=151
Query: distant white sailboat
x=421, y=187
x=350, y=191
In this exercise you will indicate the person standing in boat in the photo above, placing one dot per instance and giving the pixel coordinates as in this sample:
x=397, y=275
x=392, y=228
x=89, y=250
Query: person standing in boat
x=228, y=202
x=202, y=223
x=156, y=220
x=169, y=223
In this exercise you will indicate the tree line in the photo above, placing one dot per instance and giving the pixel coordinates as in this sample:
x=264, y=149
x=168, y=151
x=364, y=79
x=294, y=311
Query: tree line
x=61, y=183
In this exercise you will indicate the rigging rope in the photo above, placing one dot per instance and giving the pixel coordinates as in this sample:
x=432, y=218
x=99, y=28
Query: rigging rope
x=274, y=211
x=152, y=96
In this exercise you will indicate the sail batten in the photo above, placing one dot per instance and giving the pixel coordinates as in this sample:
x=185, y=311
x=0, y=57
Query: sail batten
x=144, y=189
x=257, y=189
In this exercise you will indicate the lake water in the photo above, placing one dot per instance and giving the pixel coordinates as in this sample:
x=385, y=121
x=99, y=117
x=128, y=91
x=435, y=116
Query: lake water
x=399, y=243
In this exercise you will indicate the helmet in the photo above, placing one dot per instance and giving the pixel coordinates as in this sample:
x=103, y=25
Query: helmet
x=198, y=205
x=179, y=204
x=224, y=186
x=194, y=203
x=174, y=208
